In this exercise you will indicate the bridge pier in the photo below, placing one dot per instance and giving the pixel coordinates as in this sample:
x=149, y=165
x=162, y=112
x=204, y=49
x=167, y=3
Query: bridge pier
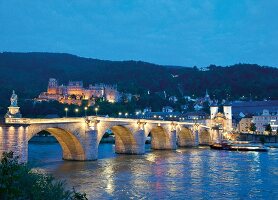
x=78, y=142
x=166, y=142
x=196, y=137
x=14, y=138
x=136, y=146
x=89, y=146
x=186, y=138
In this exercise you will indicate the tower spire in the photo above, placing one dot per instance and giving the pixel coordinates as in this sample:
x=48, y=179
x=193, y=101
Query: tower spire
x=207, y=95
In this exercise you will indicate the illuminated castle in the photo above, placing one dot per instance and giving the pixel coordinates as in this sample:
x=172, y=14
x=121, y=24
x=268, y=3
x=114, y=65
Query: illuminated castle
x=75, y=92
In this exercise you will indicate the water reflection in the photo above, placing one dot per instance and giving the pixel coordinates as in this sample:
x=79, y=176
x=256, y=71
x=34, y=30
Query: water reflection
x=186, y=173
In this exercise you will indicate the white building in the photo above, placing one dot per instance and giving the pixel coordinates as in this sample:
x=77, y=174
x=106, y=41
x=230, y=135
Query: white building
x=173, y=99
x=274, y=125
x=264, y=119
x=198, y=107
x=167, y=109
x=147, y=110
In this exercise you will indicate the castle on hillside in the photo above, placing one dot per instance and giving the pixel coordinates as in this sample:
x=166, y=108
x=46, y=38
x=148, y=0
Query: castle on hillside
x=75, y=92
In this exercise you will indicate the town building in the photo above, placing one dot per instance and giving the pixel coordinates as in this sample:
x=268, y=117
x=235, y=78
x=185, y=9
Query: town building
x=197, y=116
x=161, y=115
x=167, y=109
x=147, y=109
x=199, y=103
x=184, y=107
x=75, y=92
x=243, y=108
x=274, y=126
x=173, y=99
x=221, y=120
x=244, y=125
x=264, y=118
x=166, y=114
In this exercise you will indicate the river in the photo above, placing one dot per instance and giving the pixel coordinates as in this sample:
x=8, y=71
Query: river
x=193, y=173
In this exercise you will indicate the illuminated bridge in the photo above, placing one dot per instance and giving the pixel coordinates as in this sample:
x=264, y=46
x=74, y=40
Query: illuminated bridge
x=80, y=137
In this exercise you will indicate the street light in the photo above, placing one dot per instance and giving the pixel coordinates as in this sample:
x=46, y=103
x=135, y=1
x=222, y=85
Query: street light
x=76, y=111
x=126, y=114
x=85, y=110
x=120, y=114
x=66, y=110
x=96, y=109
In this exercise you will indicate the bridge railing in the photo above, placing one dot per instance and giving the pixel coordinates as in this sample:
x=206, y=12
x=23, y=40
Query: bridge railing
x=57, y=120
x=81, y=119
x=17, y=120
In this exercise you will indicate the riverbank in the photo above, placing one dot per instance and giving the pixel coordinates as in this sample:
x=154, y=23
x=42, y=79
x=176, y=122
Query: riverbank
x=258, y=138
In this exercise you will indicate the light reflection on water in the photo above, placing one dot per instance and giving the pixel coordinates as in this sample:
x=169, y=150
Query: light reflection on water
x=186, y=173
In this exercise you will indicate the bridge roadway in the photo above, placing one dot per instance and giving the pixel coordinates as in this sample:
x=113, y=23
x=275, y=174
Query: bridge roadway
x=80, y=137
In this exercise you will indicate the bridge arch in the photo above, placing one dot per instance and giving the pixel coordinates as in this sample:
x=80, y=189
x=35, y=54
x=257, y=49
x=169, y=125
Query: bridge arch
x=70, y=144
x=159, y=138
x=204, y=137
x=127, y=139
x=185, y=137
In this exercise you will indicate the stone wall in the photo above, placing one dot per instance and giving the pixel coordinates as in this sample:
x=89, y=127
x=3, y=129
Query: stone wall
x=257, y=138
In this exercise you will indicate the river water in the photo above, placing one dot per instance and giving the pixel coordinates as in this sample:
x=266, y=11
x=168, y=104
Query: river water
x=193, y=173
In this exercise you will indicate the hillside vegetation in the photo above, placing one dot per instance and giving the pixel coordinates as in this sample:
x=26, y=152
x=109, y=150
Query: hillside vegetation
x=28, y=74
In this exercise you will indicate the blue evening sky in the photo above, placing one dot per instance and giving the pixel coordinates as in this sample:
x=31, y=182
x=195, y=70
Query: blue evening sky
x=185, y=32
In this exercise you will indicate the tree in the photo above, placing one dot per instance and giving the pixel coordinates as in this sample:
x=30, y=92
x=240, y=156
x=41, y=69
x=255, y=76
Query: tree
x=17, y=181
x=253, y=127
x=268, y=129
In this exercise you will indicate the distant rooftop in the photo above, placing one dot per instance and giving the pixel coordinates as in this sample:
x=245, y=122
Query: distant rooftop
x=256, y=103
x=199, y=113
x=254, y=106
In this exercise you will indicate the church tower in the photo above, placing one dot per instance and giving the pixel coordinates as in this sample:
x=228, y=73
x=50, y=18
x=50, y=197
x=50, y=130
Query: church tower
x=227, y=109
x=213, y=110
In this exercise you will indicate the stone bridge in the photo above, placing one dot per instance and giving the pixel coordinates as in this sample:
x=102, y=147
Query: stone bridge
x=80, y=137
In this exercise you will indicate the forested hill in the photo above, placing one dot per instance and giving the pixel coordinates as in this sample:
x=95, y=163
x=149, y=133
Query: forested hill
x=28, y=74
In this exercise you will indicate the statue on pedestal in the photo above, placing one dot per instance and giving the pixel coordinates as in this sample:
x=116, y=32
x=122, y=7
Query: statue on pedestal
x=13, y=100
x=13, y=109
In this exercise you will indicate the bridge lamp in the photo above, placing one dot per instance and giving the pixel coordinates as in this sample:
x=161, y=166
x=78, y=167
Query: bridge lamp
x=96, y=109
x=85, y=109
x=66, y=110
x=76, y=111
